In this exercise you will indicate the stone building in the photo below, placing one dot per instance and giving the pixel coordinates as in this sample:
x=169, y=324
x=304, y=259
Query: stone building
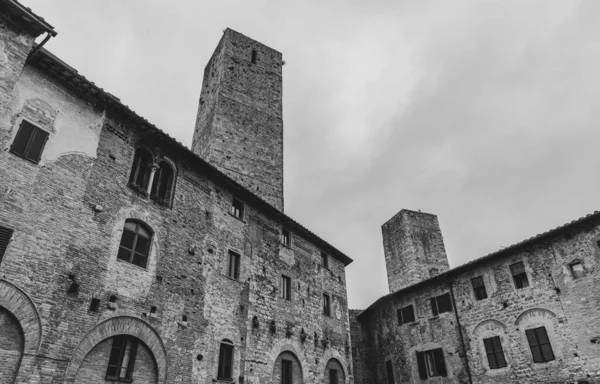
x=126, y=257
x=525, y=314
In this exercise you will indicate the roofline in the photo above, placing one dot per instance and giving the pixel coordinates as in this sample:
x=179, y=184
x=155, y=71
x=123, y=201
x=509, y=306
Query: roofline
x=94, y=91
x=43, y=23
x=504, y=252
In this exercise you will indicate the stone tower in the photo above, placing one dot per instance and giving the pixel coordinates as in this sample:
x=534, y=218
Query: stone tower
x=414, y=248
x=239, y=127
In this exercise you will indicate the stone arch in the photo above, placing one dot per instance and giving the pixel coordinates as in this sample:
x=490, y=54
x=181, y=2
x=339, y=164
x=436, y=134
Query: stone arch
x=122, y=325
x=331, y=353
x=487, y=325
x=534, y=312
x=22, y=308
x=292, y=346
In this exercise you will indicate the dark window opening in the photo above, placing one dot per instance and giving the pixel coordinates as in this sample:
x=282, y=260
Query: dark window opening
x=254, y=56
x=325, y=260
x=326, y=305
x=494, y=352
x=519, y=275
x=29, y=142
x=94, y=305
x=286, y=237
x=431, y=363
x=122, y=358
x=333, y=376
x=162, y=184
x=287, y=367
x=441, y=304
x=479, y=288
x=237, y=208
x=389, y=372
x=225, y=360
x=539, y=343
x=406, y=315
x=286, y=287
x=233, y=267
x=576, y=268
x=135, y=243
x=140, y=172
x=5, y=236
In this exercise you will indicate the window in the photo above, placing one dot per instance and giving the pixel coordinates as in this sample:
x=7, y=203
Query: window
x=140, y=172
x=541, y=351
x=286, y=372
x=326, y=305
x=162, y=184
x=576, y=268
x=285, y=287
x=406, y=315
x=494, y=352
x=431, y=363
x=286, y=238
x=225, y=360
x=479, y=288
x=519, y=275
x=5, y=235
x=237, y=209
x=441, y=304
x=389, y=372
x=233, y=267
x=29, y=142
x=135, y=243
x=254, y=56
x=325, y=260
x=333, y=376
x=122, y=358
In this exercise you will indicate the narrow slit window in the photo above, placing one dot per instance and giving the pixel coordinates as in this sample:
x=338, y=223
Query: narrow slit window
x=389, y=372
x=325, y=260
x=519, y=275
x=233, y=267
x=254, y=56
x=225, y=370
x=29, y=142
x=479, y=288
x=286, y=287
x=326, y=305
x=286, y=238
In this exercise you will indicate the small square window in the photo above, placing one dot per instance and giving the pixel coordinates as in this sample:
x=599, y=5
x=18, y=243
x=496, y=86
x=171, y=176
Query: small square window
x=233, y=266
x=479, y=288
x=441, y=304
x=406, y=315
x=29, y=142
x=326, y=305
x=325, y=260
x=286, y=238
x=286, y=287
x=237, y=209
x=577, y=270
x=519, y=275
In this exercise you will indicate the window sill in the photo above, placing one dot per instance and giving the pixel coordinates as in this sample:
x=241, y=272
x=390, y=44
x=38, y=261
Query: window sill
x=237, y=218
x=118, y=380
x=133, y=265
x=144, y=193
x=232, y=279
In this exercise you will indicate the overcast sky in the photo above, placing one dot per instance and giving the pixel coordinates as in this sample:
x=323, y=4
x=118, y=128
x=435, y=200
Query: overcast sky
x=482, y=112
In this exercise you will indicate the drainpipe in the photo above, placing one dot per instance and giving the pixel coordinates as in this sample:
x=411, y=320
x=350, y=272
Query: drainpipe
x=460, y=333
x=38, y=47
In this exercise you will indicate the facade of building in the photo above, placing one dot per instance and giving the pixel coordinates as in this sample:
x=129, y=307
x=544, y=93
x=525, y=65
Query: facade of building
x=528, y=313
x=126, y=257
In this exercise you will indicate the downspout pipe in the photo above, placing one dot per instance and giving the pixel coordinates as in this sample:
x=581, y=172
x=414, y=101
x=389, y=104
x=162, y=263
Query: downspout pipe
x=460, y=333
x=38, y=47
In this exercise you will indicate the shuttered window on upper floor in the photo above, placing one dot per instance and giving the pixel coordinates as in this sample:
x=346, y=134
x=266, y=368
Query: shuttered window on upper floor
x=5, y=236
x=29, y=142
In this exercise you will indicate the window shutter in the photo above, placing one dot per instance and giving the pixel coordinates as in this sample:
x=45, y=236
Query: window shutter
x=5, y=235
x=408, y=314
x=534, y=346
x=132, y=355
x=434, y=308
x=440, y=364
x=389, y=372
x=545, y=348
x=489, y=350
x=36, y=145
x=24, y=133
x=399, y=315
x=444, y=304
x=500, y=360
x=421, y=364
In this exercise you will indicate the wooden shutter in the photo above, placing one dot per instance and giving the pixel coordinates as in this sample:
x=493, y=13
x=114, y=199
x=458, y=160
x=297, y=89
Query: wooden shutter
x=19, y=145
x=499, y=352
x=536, y=351
x=399, y=315
x=434, y=307
x=440, y=364
x=421, y=365
x=408, y=314
x=494, y=352
x=544, y=343
x=5, y=235
x=444, y=303
x=132, y=355
x=36, y=145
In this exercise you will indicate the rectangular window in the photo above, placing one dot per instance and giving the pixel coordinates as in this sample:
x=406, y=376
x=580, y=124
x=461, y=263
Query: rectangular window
x=431, y=363
x=286, y=238
x=326, y=305
x=237, y=209
x=479, y=288
x=517, y=270
x=576, y=268
x=494, y=352
x=286, y=287
x=333, y=376
x=441, y=304
x=389, y=372
x=324, y=260
x=541, y=350
x=225, y=361
x=29, y=142
x=286, y=372
x=122, y=358
x=233, y=267
x=406, y=315
x=5, y=236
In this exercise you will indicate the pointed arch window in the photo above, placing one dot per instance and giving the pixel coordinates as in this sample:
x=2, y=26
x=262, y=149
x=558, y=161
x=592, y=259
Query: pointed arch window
x=142, y=167
x=162, y=185
x=135, y=243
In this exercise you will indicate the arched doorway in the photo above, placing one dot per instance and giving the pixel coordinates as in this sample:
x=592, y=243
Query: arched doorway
x=334, y=372
x=287, y=369
x=118, y=358
x=12, y=342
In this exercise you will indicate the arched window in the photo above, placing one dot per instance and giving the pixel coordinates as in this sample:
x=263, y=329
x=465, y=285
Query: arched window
x=287, y=369
x=135, y=243
x=140, y=172
x=334, y=373
x=225, y=360
x=162, y=185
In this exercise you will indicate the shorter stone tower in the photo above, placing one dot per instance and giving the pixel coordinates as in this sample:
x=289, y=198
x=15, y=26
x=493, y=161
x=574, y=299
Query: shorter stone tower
x=414, y=248
x=239, y=127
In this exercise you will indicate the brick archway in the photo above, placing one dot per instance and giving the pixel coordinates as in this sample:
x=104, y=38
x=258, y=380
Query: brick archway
x=20, y=305
x=122, y=325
